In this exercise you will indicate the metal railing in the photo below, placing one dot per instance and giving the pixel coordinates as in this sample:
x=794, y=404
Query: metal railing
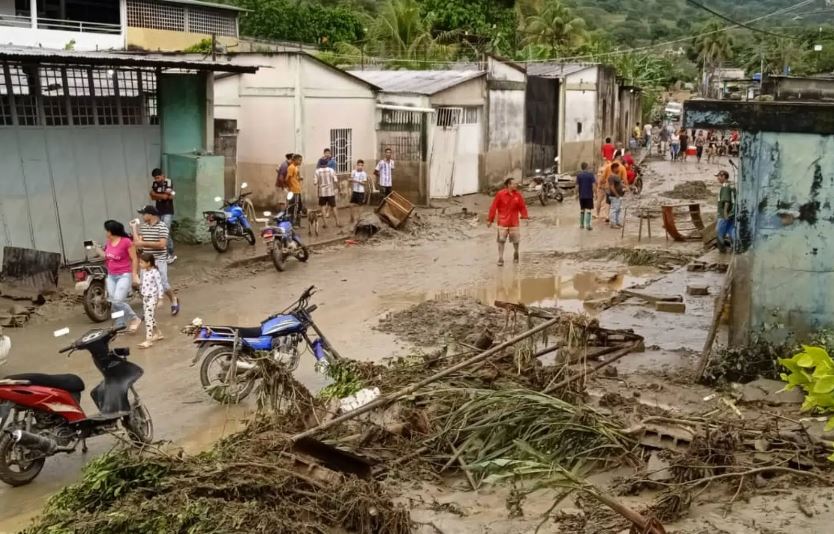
x=15, y=20
x=78, y=26
x=60, y=24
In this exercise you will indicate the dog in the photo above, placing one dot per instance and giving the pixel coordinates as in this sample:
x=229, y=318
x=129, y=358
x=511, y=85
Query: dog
x=313, y=221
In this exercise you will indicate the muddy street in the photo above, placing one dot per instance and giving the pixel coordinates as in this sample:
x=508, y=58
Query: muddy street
x=359, y=285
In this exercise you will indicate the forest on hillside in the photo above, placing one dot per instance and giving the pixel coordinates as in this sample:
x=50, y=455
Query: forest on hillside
x=652, y=43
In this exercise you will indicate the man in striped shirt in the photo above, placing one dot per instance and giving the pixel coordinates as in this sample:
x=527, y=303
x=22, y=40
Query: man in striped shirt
x=327, y=183
x=152, y=236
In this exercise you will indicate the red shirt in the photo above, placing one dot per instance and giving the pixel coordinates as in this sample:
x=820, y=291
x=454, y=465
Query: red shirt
x=608, y=151
x=508, y=205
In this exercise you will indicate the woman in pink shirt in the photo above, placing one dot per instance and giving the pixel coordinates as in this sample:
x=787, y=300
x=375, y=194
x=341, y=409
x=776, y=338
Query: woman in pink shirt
x=120, y=260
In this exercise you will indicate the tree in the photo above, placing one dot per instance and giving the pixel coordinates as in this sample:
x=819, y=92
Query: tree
x=712, y=46
x=548, y=27
x=303, y=21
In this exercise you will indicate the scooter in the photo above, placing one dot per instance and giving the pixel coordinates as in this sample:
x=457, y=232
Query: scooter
x=41, y=414
x=230, y=222
x=282, y=241
x=230, y=354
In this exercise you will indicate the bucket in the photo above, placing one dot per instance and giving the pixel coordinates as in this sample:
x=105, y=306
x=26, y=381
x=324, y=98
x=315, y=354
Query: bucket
x=691, y=151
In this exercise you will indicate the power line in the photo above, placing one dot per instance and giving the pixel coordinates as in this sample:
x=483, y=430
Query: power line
x=736, y=23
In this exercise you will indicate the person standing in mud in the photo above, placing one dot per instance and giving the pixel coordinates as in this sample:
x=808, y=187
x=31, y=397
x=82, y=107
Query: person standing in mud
x=585, y=181
x=508, y=206
x=724, y=228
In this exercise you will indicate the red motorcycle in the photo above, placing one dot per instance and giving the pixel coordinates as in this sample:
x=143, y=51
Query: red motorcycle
x=41, y=415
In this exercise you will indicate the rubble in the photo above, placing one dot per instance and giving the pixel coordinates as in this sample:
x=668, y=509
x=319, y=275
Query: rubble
x=691, y=190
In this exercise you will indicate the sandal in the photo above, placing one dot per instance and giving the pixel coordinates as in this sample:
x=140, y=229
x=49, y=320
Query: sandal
x=146, y=344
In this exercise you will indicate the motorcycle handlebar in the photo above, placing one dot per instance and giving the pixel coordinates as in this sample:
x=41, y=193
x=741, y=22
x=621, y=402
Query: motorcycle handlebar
x=67, y=349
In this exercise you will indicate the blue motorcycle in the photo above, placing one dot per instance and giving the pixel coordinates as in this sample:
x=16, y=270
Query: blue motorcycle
x=230, y=354
x=230, y=222
x=282, y=241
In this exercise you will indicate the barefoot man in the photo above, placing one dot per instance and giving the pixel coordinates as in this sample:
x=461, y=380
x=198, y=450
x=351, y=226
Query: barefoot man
x=508, y=205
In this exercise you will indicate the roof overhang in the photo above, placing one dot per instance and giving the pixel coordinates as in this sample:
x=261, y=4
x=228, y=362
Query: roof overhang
x=112, y=59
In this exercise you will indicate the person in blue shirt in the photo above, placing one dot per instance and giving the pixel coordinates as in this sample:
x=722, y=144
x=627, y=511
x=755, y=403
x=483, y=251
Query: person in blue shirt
x=327, y=160
x=585, y=181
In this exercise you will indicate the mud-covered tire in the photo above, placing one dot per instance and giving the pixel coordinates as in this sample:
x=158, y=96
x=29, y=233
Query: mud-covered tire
x=303, y=255
x=543, y=197
x=278, y=259
x=96, y=305
x=250, y=236
x=218, y=392
x=558, y=196
x=139, y=425
x=219, y=240
x=638, y=185
x=10, y=476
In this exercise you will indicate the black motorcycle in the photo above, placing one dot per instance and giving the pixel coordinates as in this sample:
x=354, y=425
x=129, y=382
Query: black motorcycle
x=547, y=186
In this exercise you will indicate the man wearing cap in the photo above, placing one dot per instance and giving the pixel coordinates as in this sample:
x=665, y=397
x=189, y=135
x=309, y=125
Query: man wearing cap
x=726, y=212
x=151, y=235
x=162, y=191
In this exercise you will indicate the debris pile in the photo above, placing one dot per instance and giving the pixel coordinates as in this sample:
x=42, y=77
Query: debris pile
x=652, y=257
x=692, y=190
x=436, y=321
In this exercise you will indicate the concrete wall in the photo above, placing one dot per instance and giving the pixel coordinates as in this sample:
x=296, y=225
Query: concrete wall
x=182, y=103
x=580, y=124
x=291, y=106
x=608, y=94
x=60, y=38
x=471, y=93
x=505, y=128
x=169, y=40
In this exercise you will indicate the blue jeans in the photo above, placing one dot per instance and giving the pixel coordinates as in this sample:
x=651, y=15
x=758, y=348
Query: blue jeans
x=118, y=289
x=676, y=148
x=616, y=210
x=725, y=228
x=168, y=219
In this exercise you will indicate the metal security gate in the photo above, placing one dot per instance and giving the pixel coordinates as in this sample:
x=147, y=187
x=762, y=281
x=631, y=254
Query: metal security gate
x=77, y=146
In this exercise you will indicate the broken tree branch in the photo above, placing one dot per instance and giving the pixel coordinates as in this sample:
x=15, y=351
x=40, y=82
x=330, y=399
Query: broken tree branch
x=720, y=302
x=387, y=399
x=614, y=357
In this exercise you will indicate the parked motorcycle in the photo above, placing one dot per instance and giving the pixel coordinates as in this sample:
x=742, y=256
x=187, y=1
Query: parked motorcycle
x=282, y=241
x=230, y=354
x=547, y=186
x=89, y=282
x=637, y=186
x=230, y=222
x=42, y=414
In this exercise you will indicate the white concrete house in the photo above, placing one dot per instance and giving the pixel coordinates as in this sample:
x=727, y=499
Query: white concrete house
x=453, y=132
x=295, y=103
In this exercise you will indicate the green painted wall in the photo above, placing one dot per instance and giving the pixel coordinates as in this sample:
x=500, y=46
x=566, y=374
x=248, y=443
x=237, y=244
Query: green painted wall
x=182, y=105
x=198, y=179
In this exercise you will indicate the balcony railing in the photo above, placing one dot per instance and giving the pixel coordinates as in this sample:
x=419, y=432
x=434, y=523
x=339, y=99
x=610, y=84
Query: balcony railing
x=61, y=24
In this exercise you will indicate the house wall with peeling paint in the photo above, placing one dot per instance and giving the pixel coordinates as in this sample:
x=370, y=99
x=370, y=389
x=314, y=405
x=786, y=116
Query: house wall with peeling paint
x=784, y=267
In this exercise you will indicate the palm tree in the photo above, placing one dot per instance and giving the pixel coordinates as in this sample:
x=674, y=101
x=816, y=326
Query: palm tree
x=547, y=25
x=400, y=31
x=713, y=46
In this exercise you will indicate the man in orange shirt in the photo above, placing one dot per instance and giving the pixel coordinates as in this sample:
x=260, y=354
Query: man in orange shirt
x=508, y=205
x=294, y=179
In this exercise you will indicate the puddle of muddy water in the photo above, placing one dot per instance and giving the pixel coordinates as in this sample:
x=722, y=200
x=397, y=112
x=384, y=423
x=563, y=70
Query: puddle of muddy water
x=567, y=291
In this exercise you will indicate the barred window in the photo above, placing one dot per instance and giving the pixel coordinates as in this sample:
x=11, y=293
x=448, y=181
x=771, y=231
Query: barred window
x=470, y=115
x=145, y=14
x=5, y=108
x=449, y=117
x=150, y=97
x=26, y=104
x=341, y=147
x=211, y=21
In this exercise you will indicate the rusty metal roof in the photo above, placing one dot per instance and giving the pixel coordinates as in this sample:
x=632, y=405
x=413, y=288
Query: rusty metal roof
x=419, y=82
x=72, y=57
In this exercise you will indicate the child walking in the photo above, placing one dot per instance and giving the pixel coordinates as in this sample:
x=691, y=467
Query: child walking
x=152, y=292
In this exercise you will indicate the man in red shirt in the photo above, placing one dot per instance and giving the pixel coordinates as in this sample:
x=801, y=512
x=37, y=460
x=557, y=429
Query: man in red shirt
x=608, y=150
x=508, y=205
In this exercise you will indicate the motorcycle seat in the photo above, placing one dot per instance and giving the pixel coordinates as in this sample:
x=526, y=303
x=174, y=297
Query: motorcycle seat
x=244, y=331
x=67, y=382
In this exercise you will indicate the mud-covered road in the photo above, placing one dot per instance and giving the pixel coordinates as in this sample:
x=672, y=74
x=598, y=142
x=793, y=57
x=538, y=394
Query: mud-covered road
x=359, y=284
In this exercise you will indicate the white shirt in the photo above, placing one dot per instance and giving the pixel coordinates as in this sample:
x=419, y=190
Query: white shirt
x=359, y=176
x=648, y=130
x=385, y=170
x=327, y=181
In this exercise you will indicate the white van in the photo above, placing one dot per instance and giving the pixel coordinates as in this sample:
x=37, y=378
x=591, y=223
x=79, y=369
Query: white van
x=673, y=110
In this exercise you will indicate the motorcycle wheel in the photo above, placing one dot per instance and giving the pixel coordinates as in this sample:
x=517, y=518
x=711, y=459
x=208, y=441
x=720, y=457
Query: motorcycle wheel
x=278, y=259
x=638, y=185
x=219, y=240
x=96, y=305
x=25, y=473
x=250, y=236
x=303, y=254
x=559, y=196
x=138, y=425
x=217, y=364
x=543, y=197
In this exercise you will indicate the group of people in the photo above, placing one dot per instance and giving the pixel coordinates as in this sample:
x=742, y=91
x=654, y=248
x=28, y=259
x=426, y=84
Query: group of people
x=326, y=181
x=141, y=258
x=615, y=176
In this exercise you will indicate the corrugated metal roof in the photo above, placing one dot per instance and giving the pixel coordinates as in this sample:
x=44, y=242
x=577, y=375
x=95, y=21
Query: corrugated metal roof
x=556, y=70
x=420, y=82
x=72, y=57
x=204, y=4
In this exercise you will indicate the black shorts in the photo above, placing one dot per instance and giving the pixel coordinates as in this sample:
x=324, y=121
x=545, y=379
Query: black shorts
x=357, y=198
x=327, y=201
x=586, y=203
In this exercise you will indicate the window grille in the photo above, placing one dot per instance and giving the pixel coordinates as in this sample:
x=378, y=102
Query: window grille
x=391, y=116
x=54, y=100
x=26, y=104
x=341, y=146
x=107, y=109
x=5, y=108
x=405, y=147
x=211, y=21
x=81, y=103
x=449, y=117
x=150, y=97
x=145, y=14
x=470, y=115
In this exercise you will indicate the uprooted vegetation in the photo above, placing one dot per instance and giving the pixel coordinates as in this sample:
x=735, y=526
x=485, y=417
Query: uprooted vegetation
x=512, y=418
